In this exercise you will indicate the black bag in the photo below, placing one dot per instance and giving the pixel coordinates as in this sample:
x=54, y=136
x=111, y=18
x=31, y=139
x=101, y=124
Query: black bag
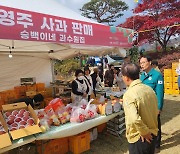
x=38, y=98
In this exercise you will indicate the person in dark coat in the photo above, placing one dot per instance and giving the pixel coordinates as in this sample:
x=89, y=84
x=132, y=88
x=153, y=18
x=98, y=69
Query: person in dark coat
x=109, y=76
x=95, y=76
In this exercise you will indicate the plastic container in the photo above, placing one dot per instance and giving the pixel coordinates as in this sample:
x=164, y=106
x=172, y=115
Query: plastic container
x=57, y=146
x=79, y=143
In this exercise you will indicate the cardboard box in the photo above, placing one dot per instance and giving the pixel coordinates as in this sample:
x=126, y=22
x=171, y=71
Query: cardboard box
x=102, y=127
x=25, y=131
x=4, y=138
x=56, y=146
x=30, y=93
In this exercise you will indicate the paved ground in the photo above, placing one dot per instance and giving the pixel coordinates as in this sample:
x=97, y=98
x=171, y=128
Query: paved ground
x=107, y=144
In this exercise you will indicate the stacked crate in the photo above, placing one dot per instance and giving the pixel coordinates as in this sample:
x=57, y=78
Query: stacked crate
x=117, y=126
x=175, y=78
x=168, y=81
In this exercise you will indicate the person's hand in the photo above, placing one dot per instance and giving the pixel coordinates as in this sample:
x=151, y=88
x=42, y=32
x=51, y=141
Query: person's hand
x=84, y=94
x=121, y=101
x=147, y=137
x=106, y=85
x=159, y=111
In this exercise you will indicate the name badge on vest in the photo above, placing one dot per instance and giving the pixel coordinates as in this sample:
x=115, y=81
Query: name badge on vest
x=160, y=82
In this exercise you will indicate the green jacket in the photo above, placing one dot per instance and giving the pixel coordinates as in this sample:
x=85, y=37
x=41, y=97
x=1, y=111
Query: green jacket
x=154, y=79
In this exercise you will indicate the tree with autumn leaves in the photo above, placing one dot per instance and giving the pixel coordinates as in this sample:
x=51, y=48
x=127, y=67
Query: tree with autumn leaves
x=155, y=20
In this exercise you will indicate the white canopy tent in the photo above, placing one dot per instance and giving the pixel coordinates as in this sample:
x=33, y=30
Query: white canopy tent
x=29, y=54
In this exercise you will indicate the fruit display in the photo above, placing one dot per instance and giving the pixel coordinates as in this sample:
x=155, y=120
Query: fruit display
x=18, y=119
x=56, y=113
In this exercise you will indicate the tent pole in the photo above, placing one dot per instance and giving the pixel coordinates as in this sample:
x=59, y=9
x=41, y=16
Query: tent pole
x=53, y=76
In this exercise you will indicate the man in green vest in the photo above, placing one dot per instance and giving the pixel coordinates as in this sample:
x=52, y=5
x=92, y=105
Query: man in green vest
x=154, y=79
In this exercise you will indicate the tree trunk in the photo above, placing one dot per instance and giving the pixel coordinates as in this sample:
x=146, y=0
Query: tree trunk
x=164, y=47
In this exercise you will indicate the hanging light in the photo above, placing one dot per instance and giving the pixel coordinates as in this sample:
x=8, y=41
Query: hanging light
x=10, y=54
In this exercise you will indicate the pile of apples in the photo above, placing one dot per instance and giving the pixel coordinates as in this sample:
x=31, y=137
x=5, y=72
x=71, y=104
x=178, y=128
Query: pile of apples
x=18, y=119
x=2, y=130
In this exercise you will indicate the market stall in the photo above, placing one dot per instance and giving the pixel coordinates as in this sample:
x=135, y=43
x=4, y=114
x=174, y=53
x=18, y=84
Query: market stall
x=32, y=33
x=31, y=30
x=65, y=130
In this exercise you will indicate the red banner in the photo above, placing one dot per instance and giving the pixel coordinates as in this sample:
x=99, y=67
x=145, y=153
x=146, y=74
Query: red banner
x=16, y=24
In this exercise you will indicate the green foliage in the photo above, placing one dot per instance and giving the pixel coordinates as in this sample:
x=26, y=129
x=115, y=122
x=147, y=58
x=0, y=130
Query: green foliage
x=104, y=11
x=66, y=67
x=134, y=55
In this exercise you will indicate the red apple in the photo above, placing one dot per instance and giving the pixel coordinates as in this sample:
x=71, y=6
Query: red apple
x=22, y=122
x=15, y=124
x=15, y=112
x=2, y=132
x=22, y=111
x=7, y=114
x=50, y=122
x=17, y=119
x=19, y=115
x=11, y=117
x=30, y=122
x=22, y=126
x=27, y=113
x=13, y=128
x=25, y=118
x=10, y=121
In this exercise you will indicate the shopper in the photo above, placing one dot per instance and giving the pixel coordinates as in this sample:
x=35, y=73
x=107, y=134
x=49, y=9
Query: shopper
x=118, y=79
x=88, y=79
x=95, y=79
x=140, y=107
x=79, y=87
x=154, y=64
x=109, y=76
x=154, y=79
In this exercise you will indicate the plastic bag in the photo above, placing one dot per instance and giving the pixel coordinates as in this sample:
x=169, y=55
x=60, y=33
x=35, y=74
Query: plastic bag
x=56, y=104
x=83, y=104
x=69, y=108
x=63, y=115
x=101, y=99
x=91, y=111
x=78, y=115
x=45, y=124
x=51, y=115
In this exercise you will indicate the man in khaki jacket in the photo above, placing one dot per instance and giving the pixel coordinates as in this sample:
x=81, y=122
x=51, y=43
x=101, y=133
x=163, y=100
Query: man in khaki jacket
x=140, y=107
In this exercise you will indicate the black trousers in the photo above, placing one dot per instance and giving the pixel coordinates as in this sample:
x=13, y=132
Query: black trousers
x=140, y=147
x=89, y=97
x=158, y=142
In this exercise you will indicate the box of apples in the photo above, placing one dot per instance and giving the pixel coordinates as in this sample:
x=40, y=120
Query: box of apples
x=4, y=136
x=21, y=120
